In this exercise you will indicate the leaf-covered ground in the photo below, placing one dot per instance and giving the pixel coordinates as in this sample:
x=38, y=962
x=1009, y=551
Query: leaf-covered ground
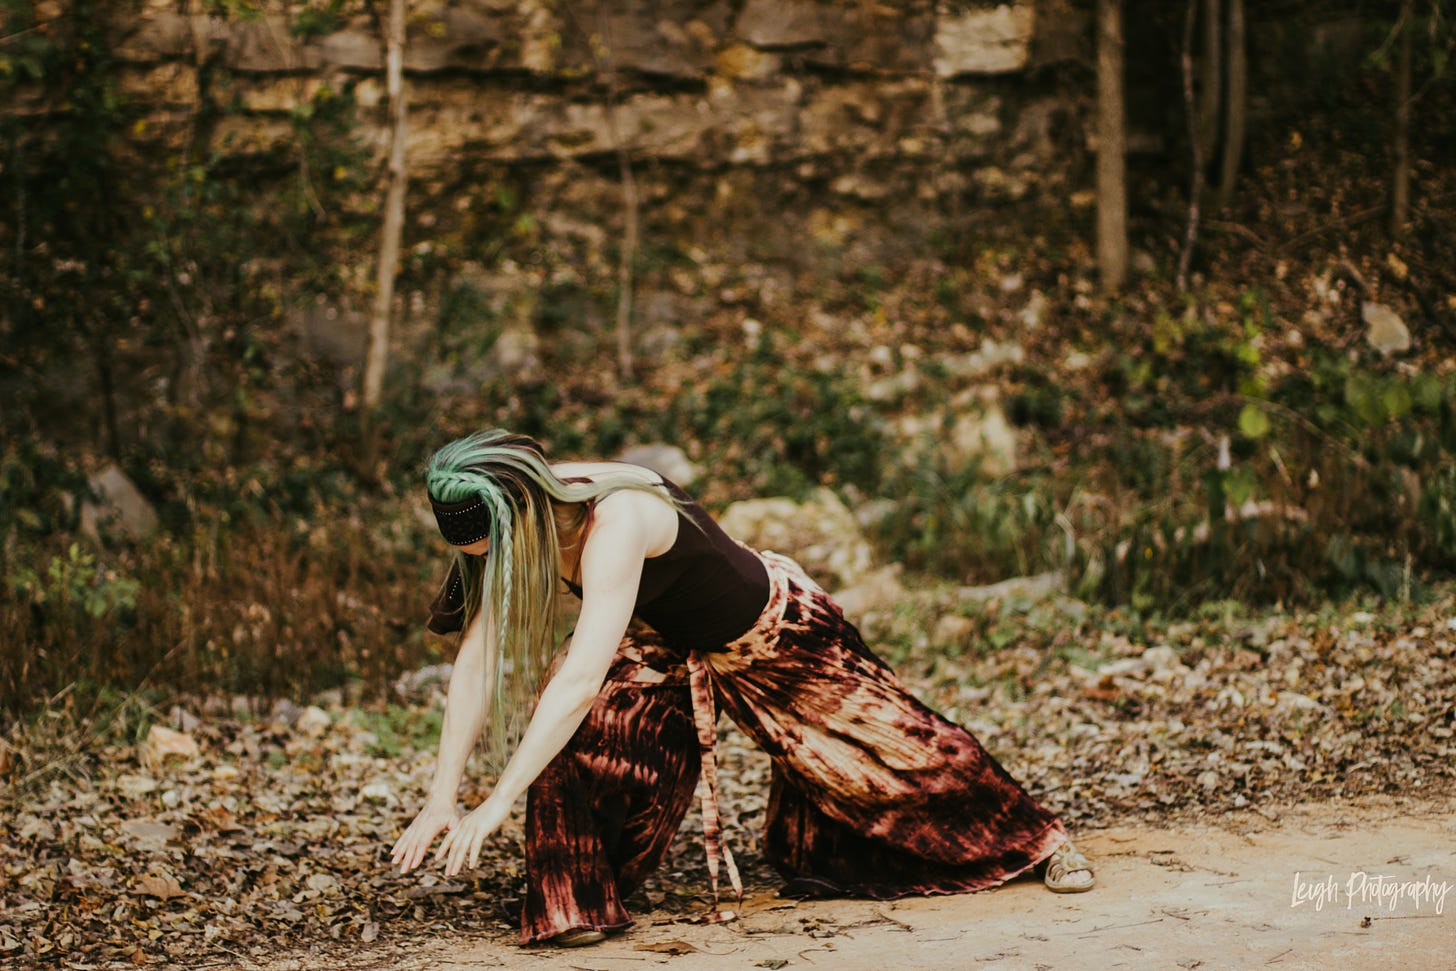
x=241, y=836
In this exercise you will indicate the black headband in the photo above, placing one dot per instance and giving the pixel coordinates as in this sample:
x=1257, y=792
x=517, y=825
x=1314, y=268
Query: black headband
x=462, y=523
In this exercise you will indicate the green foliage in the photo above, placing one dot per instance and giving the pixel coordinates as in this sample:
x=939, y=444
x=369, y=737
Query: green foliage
x=319, y=20
x=782, y=429
x=33, y=484
x=958, y=523
x=75, y=581
x=396, y=727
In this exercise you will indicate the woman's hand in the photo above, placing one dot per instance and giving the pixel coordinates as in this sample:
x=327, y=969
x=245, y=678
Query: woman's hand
x=411, y=848
x=463, y=843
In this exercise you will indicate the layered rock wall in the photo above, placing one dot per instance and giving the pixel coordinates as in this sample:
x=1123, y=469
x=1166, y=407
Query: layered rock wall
x=704, y=83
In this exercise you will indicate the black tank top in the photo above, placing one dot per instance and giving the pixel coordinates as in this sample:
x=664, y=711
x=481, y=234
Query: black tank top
x=706, y=590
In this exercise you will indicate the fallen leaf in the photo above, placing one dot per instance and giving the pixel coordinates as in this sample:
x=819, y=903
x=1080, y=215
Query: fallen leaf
x=673, y=948
x=159, y=884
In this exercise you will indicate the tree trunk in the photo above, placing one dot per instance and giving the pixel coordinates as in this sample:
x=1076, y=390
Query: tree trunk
x=1111, y=147
x=1196, y=134
x=1401, y=176
x=626, y=269
x=1210, y=74
x=377, y=358
x=1235, y=107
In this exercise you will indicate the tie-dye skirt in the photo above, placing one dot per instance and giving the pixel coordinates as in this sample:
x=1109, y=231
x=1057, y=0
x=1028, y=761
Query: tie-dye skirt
x=872, y=793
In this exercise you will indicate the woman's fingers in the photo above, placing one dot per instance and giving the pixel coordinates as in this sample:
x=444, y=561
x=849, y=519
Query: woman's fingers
x=411, y=847
x=443, y=850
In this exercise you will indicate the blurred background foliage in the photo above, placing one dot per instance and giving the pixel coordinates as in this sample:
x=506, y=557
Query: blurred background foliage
x=1235, y=440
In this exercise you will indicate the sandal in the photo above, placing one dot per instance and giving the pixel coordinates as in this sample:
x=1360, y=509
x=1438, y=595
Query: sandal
x=1064, y=868
x=579, y=937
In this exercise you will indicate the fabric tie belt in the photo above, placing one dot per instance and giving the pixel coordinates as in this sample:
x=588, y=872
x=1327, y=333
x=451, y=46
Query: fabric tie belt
x=705, y=720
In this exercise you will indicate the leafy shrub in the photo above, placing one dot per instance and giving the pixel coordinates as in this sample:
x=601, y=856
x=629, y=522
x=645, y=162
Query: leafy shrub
x=958, y=523
x=779, y=429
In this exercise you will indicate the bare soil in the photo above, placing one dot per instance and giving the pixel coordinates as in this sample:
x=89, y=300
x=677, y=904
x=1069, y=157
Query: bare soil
x=1242, y=891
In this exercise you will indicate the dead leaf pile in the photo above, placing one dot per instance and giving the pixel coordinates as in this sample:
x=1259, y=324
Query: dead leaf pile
x=227, y=838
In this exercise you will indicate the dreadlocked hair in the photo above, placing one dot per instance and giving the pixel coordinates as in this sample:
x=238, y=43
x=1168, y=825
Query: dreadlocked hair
x=530, y=509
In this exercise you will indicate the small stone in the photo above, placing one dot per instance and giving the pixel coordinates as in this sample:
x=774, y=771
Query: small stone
x=164, y=743
x=378, y=792
x=183, y=719
x=953, y=632
x=118, y=506
x=314, y=722
x=1388, y=333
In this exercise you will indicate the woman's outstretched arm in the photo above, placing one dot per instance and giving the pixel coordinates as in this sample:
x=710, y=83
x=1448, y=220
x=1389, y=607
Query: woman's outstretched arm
x=611, y=569
x=467, y=702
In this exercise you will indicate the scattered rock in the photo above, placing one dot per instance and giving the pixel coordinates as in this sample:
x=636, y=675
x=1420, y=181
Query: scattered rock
x=117, y=505
x=1388, y=333
x=314, y=722
x=378, y=792
x=421, y=683
x=183, y=719
x=821, y=534
x=977, y=431
x=1027, y=589
x=876, y=591
x=164, y=743
x=285, y=713
x=952, y=632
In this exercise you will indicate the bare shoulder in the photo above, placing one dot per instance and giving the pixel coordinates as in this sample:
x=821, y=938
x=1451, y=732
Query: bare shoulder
x=633, y=511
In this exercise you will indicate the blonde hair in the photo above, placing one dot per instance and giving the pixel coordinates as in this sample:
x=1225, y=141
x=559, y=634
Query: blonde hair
x=530, y=509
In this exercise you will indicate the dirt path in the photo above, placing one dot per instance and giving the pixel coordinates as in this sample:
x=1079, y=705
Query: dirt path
x=1190, y=897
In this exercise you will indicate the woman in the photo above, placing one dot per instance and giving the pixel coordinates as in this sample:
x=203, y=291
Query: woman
x=872, y=793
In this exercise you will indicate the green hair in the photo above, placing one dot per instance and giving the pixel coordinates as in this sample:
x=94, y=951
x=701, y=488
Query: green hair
x=530, y=507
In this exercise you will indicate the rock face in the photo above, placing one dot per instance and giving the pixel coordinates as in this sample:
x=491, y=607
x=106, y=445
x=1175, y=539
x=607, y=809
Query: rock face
x=697, y=81
x=994, y=41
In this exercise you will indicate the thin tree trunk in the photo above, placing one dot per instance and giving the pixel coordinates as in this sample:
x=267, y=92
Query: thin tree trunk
x=377, y=358
x=1196, y=133
x=1211, y=73
x=1236, y=105
x=1401, y=176
x=626, y=268
x=1111, y=147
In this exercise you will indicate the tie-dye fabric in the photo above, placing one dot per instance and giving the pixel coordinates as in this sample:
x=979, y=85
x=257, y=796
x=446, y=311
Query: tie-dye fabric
x=873, y=794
